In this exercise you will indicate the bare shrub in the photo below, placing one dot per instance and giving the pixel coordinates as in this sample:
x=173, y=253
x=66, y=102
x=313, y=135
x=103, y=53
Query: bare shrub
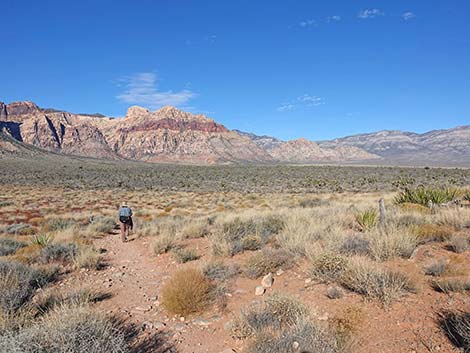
x=355, y=245
x=162, y=244
x=456, y=326
x=183, y=255
x=374, y=282
x=265, y=261
x=334, y=292
x=218, y=271
x=58, y=253
x=188, y=291
x=392, y=242
x=437, y=268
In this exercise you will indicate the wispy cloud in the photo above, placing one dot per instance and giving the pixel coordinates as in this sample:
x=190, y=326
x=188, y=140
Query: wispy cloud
x=142, y=89
x=334, y=18
x=408, y=15
x=303, y=101
x=308, y=23
x=370, y=13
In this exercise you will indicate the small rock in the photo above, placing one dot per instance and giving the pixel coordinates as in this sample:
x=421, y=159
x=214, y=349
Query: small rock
x=182, y=318
x=267, y=280
x=279, y=272
x=308, y=281
x=229, y=350
x=259, y=290
x=323, y=317
x=201, y=322
x=295, y=345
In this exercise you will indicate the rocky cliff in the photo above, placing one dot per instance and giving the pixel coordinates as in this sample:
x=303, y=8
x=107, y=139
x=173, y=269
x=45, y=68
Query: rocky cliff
x=165, y=135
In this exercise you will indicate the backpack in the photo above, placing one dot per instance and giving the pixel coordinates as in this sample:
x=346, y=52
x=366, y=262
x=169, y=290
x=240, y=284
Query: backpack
x=125, y=214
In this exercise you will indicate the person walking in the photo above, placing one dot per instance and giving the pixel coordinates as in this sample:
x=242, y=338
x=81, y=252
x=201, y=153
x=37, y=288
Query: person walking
x=125, y=221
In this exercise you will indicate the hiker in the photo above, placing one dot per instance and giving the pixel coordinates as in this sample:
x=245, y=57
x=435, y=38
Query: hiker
x=125, y=221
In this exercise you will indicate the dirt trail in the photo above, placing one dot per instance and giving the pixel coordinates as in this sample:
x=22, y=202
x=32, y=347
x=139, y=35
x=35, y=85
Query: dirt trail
x=133, y=277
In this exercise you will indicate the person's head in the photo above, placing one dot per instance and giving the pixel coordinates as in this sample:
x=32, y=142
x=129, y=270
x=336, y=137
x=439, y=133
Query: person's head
x=124, y=204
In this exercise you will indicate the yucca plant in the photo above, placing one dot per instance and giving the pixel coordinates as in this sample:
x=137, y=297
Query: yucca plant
x=367, y=219
x=41, y=239
x=424, y=195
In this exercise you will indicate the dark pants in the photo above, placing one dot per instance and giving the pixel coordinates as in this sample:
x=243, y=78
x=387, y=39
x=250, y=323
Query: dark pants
x=125, y=229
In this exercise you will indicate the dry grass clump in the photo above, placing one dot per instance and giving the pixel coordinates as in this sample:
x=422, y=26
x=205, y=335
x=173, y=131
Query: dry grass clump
x=250, y=232
x=9, y=246
x=18, y=229
x=218, y=271
x=355, y=245
x=74, y=329
x=101, y=225
x=57, y=224
x=374, y=282
x=328, y=267
x=162, y=244
x=197, y=228
x=437, y=268
x=454, y=217
x=87, y=257
x=459, y=243
x=188, y=291
x=392, y=242
x=283, y=325
x=449, y=285
x=456, y=326
x=183, y=255
x=334, y=292
x=434, y=232
x=265, y=261
x=367, y=219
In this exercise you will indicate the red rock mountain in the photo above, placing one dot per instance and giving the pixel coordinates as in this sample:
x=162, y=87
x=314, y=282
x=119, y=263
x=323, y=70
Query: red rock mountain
x=165, y=135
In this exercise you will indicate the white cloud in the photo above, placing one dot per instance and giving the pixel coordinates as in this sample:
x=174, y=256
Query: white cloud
x=334, y=18
x=142, y=89
x=303, y=101
x=408, y=16
x=285, y=107
x=370, y=13
x=307, y=23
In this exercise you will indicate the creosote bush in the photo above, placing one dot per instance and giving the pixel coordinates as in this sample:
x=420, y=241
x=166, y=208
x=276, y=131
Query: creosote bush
x=187, y=291
x=265, y=261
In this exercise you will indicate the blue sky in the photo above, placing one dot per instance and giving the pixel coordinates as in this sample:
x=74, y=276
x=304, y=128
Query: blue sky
x=299, y=68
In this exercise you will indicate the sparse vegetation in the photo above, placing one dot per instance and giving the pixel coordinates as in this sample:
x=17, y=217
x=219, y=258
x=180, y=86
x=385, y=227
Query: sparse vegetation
x=426, y=195
x=456, y=326
x=184, y=255
x=328, y=267
x=449, y=285
x=9, y=246
x=265, y=261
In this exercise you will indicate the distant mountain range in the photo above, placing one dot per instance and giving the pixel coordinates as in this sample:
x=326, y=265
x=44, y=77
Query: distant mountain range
x=170, y=135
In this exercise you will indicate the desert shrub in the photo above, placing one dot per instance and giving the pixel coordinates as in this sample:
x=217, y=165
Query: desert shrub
x=5, y=203
x=188, y=291
x=18, y=229
x=101, y=224
x=9, y=246
x=456, y=326
x=436, y=268
x=308, y=336
x=237, y=235
x=392, y=242
x=67, y=329
x=328, y=267
x=459, y=244
x=58, y=253
x=218, y=271
x=57, y=224
x=279, y=311
x=18, y=283
x=374, y=282
x=424, y=195
x=183, y=255
x=367, y=219
x=456, y=218
x=162, y=244
x=195, y=229
x=347, y=322
x=265, y=261
x=434, y=232
x=448, y=285
x=415, y=208
x=355, y=245
x=313, y=202
x=334, y=292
